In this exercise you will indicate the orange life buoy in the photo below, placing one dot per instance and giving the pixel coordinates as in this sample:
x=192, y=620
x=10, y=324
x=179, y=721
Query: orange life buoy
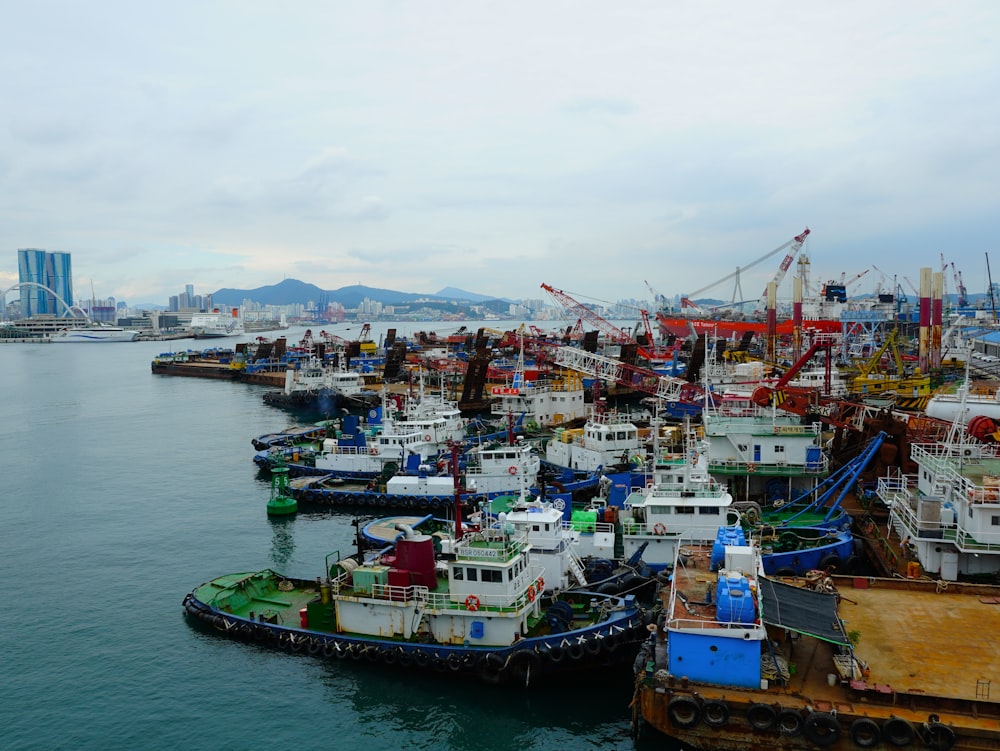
x=512, y=469
x=427, y=437
x=472, y=603
x=751, y=467
x=373, y=451
x=659, y=529
x=531, y=593
x=541, y=585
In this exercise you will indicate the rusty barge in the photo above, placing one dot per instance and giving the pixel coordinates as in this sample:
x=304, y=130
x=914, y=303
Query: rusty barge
x=741, y=662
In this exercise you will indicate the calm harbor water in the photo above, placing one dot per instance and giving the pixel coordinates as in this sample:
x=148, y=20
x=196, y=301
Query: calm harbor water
x=122, y=492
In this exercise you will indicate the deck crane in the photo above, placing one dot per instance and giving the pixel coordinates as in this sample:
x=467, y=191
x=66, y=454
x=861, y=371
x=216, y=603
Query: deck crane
x=787, y=261
x=741, y=269
x=603, y=325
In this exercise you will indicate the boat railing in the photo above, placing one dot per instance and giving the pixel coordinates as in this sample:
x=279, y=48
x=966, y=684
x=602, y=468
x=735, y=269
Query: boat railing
x=490, y=545
x=581, y=525
x=442, y=601
x=809, y=467
x=895, y=490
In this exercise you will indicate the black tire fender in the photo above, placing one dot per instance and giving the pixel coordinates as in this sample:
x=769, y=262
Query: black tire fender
x=937, y=736
x=865, y=732
x=761, y=716
x=683, y=711
x=821, y=728
x=898, y=732
x=715, y=713
x=832, y=561
x=789, y=722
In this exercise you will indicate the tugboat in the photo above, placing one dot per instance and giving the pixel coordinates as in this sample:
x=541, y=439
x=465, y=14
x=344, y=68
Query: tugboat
x=471, y=605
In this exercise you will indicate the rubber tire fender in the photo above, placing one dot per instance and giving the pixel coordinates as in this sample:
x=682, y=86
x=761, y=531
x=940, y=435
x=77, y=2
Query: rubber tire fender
x=898, y=732
x=785, y=571
x=683, y=711
x=715, y=713
x=821, y=729
x=789, y=722
x=833, y=561
x=938, y=736
x=761, y=716
x=865, y=732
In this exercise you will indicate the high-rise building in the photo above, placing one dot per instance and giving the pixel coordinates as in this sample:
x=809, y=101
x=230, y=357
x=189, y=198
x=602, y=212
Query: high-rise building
x=51, y=270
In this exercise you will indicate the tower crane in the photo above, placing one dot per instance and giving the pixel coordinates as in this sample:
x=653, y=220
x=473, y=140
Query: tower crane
x=787, y=261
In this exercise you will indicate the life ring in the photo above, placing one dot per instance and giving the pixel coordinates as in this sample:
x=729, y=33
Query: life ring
x=683, y=712
x=751, y=468
x=659, y=529
x=512, y=469
x=761, y=716
x=898, y=732
x=427, y=437
x=821, y=728
x=373, y=451
x=865, y=732
x=937, y=735
x=789, y=722
x=715, y=713
x=541, y=585
x=472, y=603
x=531, y=593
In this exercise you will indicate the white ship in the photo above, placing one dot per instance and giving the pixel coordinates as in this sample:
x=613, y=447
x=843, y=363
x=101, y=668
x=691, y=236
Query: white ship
x=215, y=324
x=94, y=332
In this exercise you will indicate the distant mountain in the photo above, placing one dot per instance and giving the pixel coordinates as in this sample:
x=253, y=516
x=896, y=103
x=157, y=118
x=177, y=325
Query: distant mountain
x=453, y=293
x=293, y=291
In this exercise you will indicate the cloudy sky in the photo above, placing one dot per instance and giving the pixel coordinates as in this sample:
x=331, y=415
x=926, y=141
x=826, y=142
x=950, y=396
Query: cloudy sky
x=590, y=145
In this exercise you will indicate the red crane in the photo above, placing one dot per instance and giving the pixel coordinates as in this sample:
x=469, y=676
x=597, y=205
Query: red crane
x=603, y=325
x=787, y=260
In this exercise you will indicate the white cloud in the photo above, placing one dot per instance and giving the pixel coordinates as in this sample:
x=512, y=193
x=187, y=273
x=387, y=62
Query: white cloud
x=493, y=148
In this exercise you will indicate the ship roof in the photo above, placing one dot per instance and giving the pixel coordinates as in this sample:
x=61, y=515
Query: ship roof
x=804, y=611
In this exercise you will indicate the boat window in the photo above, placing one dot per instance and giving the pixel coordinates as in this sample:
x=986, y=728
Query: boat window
x=709, y=510
x=779, y=449
x=458, y=573
x=473, y=574
x=492, y=575
x=684, y=510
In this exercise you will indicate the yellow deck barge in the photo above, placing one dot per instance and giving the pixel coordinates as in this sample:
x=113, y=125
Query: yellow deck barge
x=926, y=661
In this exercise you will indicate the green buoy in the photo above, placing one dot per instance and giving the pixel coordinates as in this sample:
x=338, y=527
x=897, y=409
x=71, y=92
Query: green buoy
x=281, y=503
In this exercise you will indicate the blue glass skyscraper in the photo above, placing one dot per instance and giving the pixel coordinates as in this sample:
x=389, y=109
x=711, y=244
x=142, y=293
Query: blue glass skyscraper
x=52, y=270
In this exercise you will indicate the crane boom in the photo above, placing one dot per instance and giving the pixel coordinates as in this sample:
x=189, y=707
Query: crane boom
x=787, y=261
x=744, y=268
x=643, y=380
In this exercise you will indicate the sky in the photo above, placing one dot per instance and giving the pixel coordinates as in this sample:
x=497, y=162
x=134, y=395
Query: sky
x=610, y=150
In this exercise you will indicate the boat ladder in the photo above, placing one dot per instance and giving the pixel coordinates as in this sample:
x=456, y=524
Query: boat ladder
x=576, y=568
